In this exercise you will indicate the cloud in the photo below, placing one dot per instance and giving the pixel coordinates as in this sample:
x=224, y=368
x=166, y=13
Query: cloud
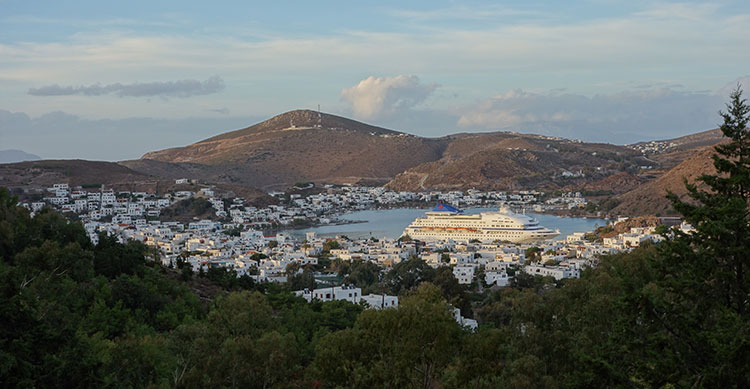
x=623, y=117
x=223, y=111
x=460, y=12
x=181, y=88
x=382, y=97
x=742, y=82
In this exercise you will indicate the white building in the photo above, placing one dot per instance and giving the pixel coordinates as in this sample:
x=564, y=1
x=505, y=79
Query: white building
x=464, y=274
x=464, y=322
x=558, y=272
x=498, y=278
x=351, y=294
x=380, y=301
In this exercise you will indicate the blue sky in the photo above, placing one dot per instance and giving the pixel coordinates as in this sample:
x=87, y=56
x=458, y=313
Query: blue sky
x=76, y=75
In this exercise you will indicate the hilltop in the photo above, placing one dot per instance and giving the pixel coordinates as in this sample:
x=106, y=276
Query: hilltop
x=297, y=146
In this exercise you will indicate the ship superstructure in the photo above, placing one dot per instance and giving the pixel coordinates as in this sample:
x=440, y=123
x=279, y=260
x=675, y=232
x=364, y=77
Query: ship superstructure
x=446, y=222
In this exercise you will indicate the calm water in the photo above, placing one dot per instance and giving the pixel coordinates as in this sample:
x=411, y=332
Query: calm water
x=390, y=223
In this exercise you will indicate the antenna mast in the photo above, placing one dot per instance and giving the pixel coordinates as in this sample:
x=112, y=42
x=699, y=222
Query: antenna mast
x=320, y=118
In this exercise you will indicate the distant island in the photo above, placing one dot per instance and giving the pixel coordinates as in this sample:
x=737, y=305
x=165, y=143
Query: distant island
x=12, y=155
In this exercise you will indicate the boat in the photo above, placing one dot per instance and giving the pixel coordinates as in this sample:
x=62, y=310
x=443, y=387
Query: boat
x=445, y=222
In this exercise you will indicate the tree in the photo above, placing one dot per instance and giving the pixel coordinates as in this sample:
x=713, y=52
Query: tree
x=721, y=215
x=410, y=346
x=331, y=245
x=405, y=238
x=362, y=274
x=532, y=253
x=702, y=300
x=299, y=280
x=406, y=275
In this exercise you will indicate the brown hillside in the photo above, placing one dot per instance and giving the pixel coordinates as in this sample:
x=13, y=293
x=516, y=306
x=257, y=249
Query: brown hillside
x=297, y=146
x=308, y=146
x=649, y=199
x=76, y=172
x=27, y=178
x=682, y=148
x=507, y=161
x=615, y=183
x=698, y=140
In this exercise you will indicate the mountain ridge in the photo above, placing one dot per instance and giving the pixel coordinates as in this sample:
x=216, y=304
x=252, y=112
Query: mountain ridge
x=306, y=145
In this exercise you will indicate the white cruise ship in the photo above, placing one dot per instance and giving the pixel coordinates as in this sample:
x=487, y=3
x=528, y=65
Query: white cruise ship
x=446, y=222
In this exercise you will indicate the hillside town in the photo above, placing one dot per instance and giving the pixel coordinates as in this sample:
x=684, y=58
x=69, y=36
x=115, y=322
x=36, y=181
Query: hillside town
x=235, y=239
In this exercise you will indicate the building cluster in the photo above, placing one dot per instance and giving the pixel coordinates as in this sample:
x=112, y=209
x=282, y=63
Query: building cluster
x=568, y=200
x=138, y=208
x=654, y=147
x=238, y=243
x=351, y=294
x=105, y=203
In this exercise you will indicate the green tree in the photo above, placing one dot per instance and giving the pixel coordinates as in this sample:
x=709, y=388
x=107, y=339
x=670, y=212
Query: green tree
x=299, y=280
x=721, y=214
x=453, y=292
x=330, y=245
x=702, y=301
x=406, y=275
x=406, y=347
x=362, y=274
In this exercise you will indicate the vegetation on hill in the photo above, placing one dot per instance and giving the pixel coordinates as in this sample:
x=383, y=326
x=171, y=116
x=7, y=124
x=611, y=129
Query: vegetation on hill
x=187, y=210
x=673, y=314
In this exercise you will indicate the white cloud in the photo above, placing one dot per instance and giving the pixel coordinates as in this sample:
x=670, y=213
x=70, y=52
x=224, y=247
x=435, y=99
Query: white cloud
x=742, y=82
x=181, y=88
x=383, y=97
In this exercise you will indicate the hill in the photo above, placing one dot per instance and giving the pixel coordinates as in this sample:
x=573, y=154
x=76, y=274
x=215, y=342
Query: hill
x=649, y=198
x=669, y=153
x=511, y=161
x=10, y=156
x=88, y=174
x=297, y=146
x=687, y=142
x=32, y=178
x=305, y=145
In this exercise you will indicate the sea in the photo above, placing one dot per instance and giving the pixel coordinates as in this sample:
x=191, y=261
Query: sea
x=390, y=223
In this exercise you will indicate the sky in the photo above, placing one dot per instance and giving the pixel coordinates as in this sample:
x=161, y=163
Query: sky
x=114, y=80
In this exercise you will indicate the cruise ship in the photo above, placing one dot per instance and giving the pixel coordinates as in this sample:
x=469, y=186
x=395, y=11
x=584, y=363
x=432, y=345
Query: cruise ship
x=446, y=222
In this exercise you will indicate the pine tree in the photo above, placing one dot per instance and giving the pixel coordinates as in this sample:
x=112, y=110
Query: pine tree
x=696, y=312
x=721, y=214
